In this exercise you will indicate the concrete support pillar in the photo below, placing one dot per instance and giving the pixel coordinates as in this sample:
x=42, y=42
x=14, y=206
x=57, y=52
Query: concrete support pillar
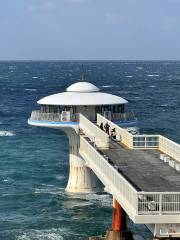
x=119, y=217
x=81, y=178
x=119, y=227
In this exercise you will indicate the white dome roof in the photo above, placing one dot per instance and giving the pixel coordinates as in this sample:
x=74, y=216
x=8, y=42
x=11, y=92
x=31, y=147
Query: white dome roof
x=79, y=99
x=82, y=87
x=82, y=93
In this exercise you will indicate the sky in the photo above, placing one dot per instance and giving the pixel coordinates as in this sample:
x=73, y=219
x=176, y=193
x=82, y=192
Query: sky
x=89, y=29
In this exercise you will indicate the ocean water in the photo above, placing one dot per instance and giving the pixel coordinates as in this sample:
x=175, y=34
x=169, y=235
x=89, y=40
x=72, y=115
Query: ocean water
x=34, y=161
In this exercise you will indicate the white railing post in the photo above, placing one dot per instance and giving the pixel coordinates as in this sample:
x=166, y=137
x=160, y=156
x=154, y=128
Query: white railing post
x=160, y=204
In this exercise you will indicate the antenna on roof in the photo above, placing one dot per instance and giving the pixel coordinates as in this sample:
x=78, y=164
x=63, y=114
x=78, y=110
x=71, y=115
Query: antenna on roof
x=83, y=72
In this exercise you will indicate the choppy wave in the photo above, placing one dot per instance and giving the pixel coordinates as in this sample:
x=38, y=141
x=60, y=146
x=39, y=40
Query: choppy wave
x=164, y=105
x=7, y=133
x=60, y=177
x=25, y=171
x=107, y=86
x=137, y=237
x=49, y=189
x=100, y=199
x=140, y=68
x=31, y=89
x=76, y=203
x=153, y=75
x=50, y=234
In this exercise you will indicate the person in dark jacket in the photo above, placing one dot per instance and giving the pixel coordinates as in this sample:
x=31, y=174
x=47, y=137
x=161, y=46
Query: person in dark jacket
x=106, y=127
x=101, y=126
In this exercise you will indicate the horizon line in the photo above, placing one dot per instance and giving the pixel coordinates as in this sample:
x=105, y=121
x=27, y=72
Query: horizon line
x=89, y=60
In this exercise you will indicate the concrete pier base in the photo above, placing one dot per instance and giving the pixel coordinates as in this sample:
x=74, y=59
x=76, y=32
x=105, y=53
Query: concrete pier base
x=114, y=235
x=117, y=235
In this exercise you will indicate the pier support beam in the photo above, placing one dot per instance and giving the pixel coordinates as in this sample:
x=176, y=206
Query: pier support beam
x=81, y=178
x=119, y=217
x=119, y=227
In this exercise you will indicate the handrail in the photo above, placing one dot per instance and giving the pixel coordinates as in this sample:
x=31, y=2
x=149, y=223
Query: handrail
x=117, y=184
x=100, y=138
x=122, y=134
x=53, y=117
x=169, y=147
x=127, y=116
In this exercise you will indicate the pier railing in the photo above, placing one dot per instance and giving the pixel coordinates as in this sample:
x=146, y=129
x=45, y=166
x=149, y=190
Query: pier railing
x=93, y=132
x=131, y=141
x=123, y=135
x=169, y=147
x=114, y=182
x=163, y=203
x=145, y=141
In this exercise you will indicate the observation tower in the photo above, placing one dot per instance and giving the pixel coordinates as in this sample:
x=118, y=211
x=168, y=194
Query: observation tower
x=61, y=111
x=141, y=172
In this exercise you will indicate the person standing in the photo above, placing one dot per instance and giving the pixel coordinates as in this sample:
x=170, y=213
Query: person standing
x=107, y=126
x=101, y=126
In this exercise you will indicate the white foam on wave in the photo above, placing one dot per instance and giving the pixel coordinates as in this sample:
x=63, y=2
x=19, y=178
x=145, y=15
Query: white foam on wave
x=129, y=76
x=34, y=77
x=123, y=92
x=5, y=180
x=31, y=89
x=76, y=203
x=100, y=199
x=50, y=234
x=140, y=68
x=152, y=86
x=164, y=105
x=153, y=75
x=7, y=133
x=107, y=86
x=60, y=177
x=48, y=189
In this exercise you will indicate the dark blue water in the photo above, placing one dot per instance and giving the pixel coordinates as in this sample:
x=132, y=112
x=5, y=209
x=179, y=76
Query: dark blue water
x=34, y=161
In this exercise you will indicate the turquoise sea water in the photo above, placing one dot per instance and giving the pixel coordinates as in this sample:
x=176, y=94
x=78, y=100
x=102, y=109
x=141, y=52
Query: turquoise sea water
x=34, y=161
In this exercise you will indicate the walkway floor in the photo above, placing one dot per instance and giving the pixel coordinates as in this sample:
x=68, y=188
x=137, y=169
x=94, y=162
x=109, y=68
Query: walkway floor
x=144, y=169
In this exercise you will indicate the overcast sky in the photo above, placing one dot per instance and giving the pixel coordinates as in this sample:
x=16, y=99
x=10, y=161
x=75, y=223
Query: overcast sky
x=89, y=29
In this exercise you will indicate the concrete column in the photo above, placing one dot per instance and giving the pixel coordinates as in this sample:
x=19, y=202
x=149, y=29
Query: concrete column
x=119, y=217
x=81, y=178
x=119, y=229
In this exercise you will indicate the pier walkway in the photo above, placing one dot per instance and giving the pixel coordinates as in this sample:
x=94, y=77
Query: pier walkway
x=140, y=171
x=143, y=168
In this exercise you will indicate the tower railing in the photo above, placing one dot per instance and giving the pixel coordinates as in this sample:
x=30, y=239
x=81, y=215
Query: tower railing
x=123, y=117
x=38, y=115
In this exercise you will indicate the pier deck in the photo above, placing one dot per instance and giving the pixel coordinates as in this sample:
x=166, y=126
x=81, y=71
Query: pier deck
x=144, y=169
